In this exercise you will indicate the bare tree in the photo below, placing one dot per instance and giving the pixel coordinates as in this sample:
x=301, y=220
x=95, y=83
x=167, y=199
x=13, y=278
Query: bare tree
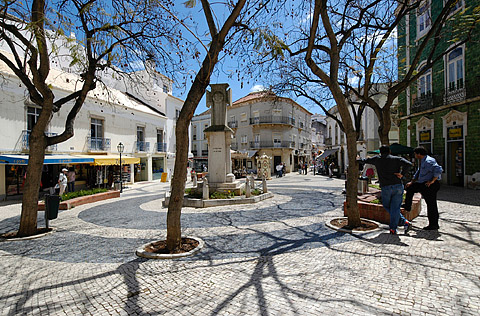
x=109, y=34
x=373, y=58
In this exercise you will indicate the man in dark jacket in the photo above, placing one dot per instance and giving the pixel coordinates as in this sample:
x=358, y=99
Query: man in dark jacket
x=391, y=170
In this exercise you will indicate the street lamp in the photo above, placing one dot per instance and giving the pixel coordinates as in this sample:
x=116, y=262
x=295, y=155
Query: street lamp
x=120, y=148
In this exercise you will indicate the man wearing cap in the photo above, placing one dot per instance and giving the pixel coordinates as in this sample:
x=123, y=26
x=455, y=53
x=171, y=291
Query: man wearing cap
x=62, y=181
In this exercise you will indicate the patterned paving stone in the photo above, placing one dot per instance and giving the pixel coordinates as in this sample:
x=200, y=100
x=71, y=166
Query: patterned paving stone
x=273, y=258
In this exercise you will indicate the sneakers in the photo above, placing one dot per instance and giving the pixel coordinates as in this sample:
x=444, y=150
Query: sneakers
x=393, y=232
x=407, y=226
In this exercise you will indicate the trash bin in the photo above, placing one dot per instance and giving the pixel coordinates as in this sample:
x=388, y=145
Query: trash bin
x=52, y=203
x=116, y=185
x=362, y=185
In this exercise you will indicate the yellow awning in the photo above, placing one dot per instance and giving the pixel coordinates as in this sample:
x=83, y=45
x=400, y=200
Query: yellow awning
x=108, y=160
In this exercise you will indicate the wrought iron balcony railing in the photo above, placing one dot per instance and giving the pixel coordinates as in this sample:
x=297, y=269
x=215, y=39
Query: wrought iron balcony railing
x=272, y=144
x=233, y=124
x=142, y=146
x=161, y=147
x=26, y=141
x=270, y=119
x=98, y=144
x=205, y=152
x=194, y=153
x=328, y=141
x=422, y=103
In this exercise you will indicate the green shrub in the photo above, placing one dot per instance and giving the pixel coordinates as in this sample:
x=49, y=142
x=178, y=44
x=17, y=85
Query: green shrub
x=72, y=195
x=256, y=192
x=222, y=195
x=193, y=194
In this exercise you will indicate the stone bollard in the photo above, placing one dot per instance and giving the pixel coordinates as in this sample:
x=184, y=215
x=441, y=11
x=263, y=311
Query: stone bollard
x=206, y=194
x=195, y=180
x=252, y=182
x=264, y=185
x=248, y=191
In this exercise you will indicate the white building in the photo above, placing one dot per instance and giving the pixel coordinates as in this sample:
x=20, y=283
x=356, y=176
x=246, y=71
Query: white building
x=263, y=123
x=369, y=140
x=142, y=116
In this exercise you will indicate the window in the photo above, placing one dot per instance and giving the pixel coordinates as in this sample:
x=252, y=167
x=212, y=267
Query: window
x=423, y=18
x=160, y=145
x=425, y=84
x=205, y=127
x=165, y=88
x=277, y=112
x=455, y=73
x=140, y=134
x=177, y=114
x=456, y=7
x=244, y=139
x=243, y=117
x=32, y=116
x=96, y=134
x=257, y=138
x=277, y=140
x=194, y=132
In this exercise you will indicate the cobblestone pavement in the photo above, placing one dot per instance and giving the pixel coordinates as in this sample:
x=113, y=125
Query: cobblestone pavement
x=273, y=258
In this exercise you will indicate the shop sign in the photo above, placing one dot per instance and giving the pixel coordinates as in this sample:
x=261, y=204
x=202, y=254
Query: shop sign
x=455, y=132
x=425, y=136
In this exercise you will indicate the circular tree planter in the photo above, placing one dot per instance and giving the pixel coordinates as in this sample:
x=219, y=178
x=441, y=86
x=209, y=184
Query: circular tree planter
x=340, y=224
x=41, y=232
x=156, y=249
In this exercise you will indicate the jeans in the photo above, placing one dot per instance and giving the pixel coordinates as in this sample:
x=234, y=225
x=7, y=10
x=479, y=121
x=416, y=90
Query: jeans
x=392, y=196
x=71, y=186
x=430, y=196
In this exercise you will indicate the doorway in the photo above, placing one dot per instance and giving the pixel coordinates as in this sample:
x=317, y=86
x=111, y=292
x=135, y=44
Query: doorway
x=455, y=163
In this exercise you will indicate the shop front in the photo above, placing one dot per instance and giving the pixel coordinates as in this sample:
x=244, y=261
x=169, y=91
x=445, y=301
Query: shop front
x=158, y=166
x=15, y=171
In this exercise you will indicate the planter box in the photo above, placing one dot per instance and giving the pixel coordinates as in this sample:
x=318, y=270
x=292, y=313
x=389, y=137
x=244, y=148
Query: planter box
x=66, y=205
x=377, y=213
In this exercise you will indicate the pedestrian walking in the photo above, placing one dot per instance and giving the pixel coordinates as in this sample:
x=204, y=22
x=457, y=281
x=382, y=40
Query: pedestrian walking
x=305, y=167
x=62, y=181
x=391, y=170
x=71, y=180
x=278, y=168
x=425, y=181
x=331, y=166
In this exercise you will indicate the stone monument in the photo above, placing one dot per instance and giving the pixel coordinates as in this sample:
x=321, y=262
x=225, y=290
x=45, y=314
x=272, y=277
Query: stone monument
x=219, y=137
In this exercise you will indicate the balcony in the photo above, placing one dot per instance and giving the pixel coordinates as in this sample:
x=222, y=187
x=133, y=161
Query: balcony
x=270, y=119
x=161, y=147
x=423, y=103
x=233, y=124
x=328, y=141
x=26, y=141
x=205, y=152
x=141, y=146
x=234, y=146
x=272, y=144
x=454, y=95
x=98, y=144
x=194, y=153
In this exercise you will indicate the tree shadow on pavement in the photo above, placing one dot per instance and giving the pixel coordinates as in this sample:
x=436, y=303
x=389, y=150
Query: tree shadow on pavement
x=459, y=195
x=384, y=238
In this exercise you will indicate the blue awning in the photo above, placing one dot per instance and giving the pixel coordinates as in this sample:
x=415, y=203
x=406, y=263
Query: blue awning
x=49, y=159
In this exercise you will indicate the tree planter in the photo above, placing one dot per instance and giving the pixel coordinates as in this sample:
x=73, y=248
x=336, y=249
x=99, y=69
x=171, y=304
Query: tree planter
x=377, y=213
x=66, y=205
x=144, y=253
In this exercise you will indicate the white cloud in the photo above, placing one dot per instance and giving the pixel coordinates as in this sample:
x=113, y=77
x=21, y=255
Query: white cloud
x=257, y=87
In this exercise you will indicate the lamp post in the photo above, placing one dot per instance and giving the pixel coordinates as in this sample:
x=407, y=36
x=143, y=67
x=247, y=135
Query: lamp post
x=120, y=148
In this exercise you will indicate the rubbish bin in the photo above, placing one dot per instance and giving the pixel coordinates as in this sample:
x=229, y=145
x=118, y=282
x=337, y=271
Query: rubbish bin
x=362, y=185
x=52, y=203
x=116, y=185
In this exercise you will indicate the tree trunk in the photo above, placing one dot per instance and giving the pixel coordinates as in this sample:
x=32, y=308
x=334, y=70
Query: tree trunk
x=28, y=219
x=352, y=181
x=174, y=237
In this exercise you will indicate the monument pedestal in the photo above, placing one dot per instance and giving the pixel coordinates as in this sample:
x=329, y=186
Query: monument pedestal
x=220, y=177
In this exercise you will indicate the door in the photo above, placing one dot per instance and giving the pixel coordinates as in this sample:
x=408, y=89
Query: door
x=455, y=163
x=276, y=161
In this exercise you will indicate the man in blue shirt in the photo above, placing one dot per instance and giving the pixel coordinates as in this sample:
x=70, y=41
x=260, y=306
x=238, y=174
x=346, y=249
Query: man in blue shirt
x=426, y=182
